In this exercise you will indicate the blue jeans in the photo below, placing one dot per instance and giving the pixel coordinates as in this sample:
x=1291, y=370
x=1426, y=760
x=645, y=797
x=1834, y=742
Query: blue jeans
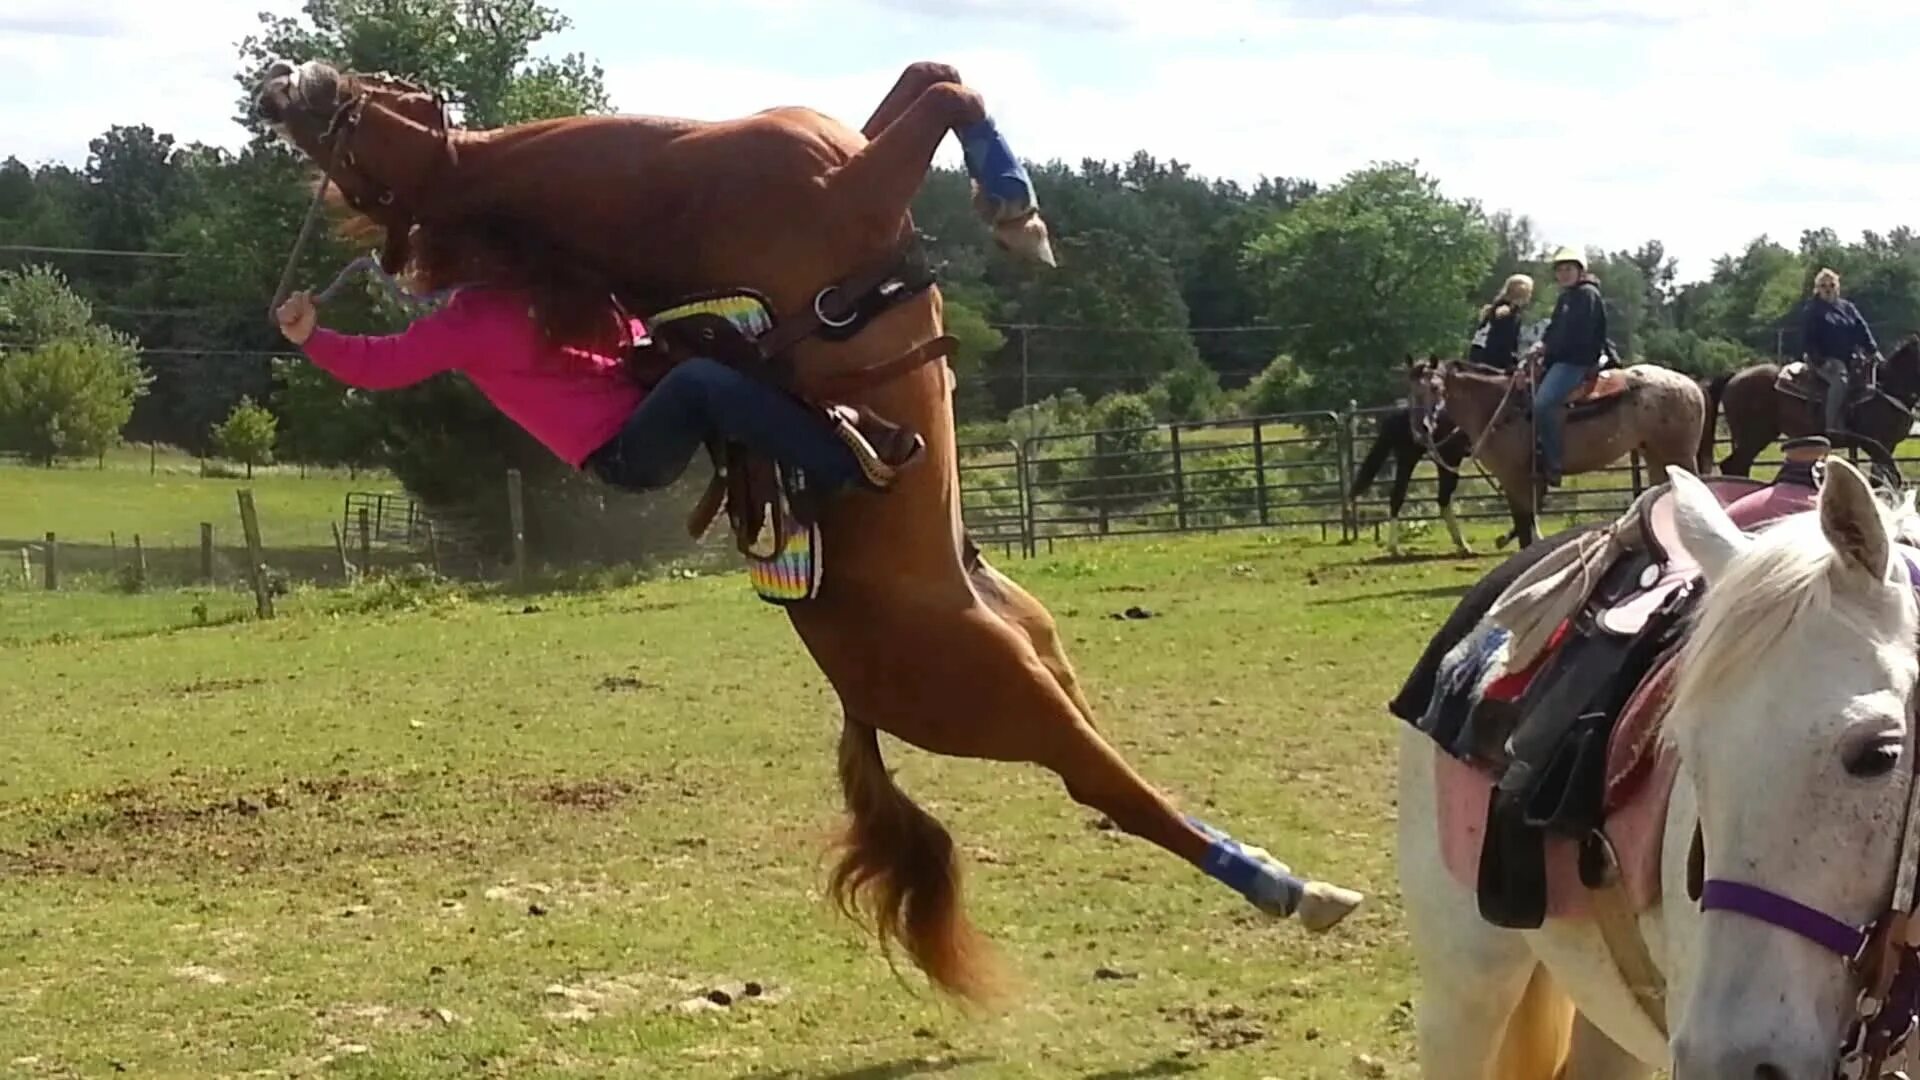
x=702, y=397
x=1549, y=412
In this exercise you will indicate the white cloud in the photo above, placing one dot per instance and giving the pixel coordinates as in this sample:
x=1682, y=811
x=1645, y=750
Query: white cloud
x=1700, y=122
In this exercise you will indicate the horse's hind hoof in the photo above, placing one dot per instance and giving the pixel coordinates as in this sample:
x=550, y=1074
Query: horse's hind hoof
x=1322, y=906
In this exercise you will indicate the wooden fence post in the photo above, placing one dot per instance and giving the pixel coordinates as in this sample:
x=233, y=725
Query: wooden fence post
x=53, y=562
x=139, y=561
x=1179, y=480
x=256, y=558
x=433, y=548
x=26, y=568
x=366, y=545
x=517, y=510
x=1260, y=472
x=206, y=552
x=340, y=545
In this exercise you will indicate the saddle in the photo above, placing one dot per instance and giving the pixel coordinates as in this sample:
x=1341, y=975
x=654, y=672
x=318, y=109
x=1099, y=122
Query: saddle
x=1560, y=770
x=1600, y=392
x=1801, y=381
x=773, y=510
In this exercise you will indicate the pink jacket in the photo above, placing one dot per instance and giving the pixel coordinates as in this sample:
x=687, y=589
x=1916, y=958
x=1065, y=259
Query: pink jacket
x=572, y=399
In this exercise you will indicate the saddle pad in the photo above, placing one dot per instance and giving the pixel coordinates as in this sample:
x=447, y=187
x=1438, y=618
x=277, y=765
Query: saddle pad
x=1640, y=774
x=792, y=574
x=748, y=313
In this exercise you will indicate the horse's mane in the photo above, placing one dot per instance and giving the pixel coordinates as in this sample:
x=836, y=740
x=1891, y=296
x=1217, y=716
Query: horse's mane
x=1746, y=615
x=573, y=302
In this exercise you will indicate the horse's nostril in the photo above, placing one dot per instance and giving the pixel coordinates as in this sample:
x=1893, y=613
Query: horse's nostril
x=1769, y=1072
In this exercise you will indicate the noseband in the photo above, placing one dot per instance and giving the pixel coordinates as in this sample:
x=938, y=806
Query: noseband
x=1881, y=955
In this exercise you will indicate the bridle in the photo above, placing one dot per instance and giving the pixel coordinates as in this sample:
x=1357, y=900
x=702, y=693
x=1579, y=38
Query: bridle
x=1883, y=956
x=337, y=137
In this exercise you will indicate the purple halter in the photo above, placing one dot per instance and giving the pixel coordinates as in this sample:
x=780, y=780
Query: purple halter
x=1884, y=1024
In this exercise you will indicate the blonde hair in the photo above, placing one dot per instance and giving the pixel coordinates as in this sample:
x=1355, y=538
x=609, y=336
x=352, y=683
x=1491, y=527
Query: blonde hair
x=1827, y=276
x=1517, y=288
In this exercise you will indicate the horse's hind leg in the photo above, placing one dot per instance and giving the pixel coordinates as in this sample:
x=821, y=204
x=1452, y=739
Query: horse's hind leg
x=1024, y=611
x=912, y=83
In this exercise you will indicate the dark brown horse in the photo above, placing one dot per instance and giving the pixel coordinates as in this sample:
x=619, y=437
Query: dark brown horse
x=918, y=636
x=1758, y=413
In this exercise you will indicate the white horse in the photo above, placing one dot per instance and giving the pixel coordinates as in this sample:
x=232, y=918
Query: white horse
x=1790, y=715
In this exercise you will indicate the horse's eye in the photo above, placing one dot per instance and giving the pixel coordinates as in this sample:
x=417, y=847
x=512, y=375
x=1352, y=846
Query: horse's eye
x=1873, y=760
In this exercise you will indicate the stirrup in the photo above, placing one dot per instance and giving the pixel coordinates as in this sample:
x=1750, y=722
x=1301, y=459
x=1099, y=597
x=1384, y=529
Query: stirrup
x=877, y=471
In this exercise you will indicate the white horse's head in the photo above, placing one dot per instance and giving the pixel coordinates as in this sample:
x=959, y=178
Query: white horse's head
x=1791, y=715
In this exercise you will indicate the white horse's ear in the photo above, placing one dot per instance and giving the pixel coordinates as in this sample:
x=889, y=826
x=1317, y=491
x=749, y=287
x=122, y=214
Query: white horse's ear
x=1710, y=535
x=1852, y=519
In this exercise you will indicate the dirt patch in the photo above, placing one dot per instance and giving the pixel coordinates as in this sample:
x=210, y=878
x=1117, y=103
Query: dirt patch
x=1217, y=1027
x=626, y=684
x=599, y=793
x=218, y=686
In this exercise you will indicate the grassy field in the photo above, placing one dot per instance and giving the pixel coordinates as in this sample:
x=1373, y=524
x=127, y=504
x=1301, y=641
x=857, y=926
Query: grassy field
x=405, y=833
x=96, y=512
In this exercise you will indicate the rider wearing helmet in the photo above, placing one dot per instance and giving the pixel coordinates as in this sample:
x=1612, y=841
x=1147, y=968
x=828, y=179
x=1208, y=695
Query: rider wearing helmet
x=1576, y=340
x=1832, y=334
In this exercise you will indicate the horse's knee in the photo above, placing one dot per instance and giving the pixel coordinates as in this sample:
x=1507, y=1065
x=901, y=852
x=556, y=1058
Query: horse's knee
x=929, y=73
x=961, y=105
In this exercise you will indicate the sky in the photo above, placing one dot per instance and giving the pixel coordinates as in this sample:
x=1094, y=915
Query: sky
x=1702, y=123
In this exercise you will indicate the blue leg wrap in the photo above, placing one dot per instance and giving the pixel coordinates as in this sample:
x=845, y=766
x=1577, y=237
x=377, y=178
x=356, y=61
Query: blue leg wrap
x=990, y=162
x=1263, y=886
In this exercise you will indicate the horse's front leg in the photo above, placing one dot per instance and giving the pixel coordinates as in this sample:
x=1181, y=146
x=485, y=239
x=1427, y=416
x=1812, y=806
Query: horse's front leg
x=874, y=188
x=912, y=83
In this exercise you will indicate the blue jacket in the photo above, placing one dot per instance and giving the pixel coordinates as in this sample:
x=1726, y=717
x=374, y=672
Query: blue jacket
x=1832, y=331
x=1578, y=333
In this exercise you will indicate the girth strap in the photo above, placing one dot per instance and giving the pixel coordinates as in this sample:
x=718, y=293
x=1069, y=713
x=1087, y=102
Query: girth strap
x=839, y=309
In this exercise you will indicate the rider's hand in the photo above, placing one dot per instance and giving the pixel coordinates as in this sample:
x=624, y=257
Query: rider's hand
x=297, y=318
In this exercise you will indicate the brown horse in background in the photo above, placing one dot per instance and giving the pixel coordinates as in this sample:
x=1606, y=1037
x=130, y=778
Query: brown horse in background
x=1758, y=413
x=918, y=636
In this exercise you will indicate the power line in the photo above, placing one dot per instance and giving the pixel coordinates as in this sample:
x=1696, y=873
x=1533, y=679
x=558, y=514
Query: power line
x=38, y=249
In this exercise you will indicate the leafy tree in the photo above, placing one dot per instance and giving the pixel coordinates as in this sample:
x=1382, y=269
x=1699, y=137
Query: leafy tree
x=1380, y=266
x=1281, y=388
x=247, y=435
x=68, y=398
x=1188, y=392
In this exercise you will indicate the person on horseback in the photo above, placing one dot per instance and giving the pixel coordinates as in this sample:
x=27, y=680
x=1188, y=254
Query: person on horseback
x=553, y=357
x=1496, y=340
x=1576, y=340
x=1833, y=335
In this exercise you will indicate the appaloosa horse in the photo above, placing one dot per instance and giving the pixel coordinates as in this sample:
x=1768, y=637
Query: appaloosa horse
x=1758, y=412
x=1769, y=940
x=1658, y=412
x=918, y=636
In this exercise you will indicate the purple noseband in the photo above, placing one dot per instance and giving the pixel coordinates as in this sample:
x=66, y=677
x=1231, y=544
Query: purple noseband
x=1790, y=915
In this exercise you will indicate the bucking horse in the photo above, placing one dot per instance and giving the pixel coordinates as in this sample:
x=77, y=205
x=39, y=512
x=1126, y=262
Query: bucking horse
x=808, y=219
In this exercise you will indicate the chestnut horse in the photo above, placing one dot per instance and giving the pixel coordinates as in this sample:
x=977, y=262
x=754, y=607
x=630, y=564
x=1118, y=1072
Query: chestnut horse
x=1758, y=413
x=918, y=636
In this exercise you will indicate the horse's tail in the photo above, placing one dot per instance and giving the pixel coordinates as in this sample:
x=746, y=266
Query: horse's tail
x=1539, y=1033
x=1716, y=389
x=897, y=872
x=1370, y=467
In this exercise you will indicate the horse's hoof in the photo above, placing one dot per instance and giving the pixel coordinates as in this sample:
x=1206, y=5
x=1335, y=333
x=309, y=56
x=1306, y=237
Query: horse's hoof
x=1322, y=905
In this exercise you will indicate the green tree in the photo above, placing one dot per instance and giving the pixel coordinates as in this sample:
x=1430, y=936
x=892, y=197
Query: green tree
x=1281, y=388
x=1380, y=266
x=38, y=307
x=1187, y=393
x=68, y=398
x=326, y=421
x=1121, y=304
x=247, y=435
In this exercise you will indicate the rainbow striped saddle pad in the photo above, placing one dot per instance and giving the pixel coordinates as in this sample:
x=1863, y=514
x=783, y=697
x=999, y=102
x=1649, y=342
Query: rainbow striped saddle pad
x=781, y=546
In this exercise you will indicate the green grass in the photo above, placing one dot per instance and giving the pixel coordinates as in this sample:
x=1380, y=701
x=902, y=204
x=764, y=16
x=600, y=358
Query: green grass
x=96, y=513
x=403, y=833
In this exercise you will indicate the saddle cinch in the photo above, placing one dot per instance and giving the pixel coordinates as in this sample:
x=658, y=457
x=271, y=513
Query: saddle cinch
x=771, y=509
x=1561, y=710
